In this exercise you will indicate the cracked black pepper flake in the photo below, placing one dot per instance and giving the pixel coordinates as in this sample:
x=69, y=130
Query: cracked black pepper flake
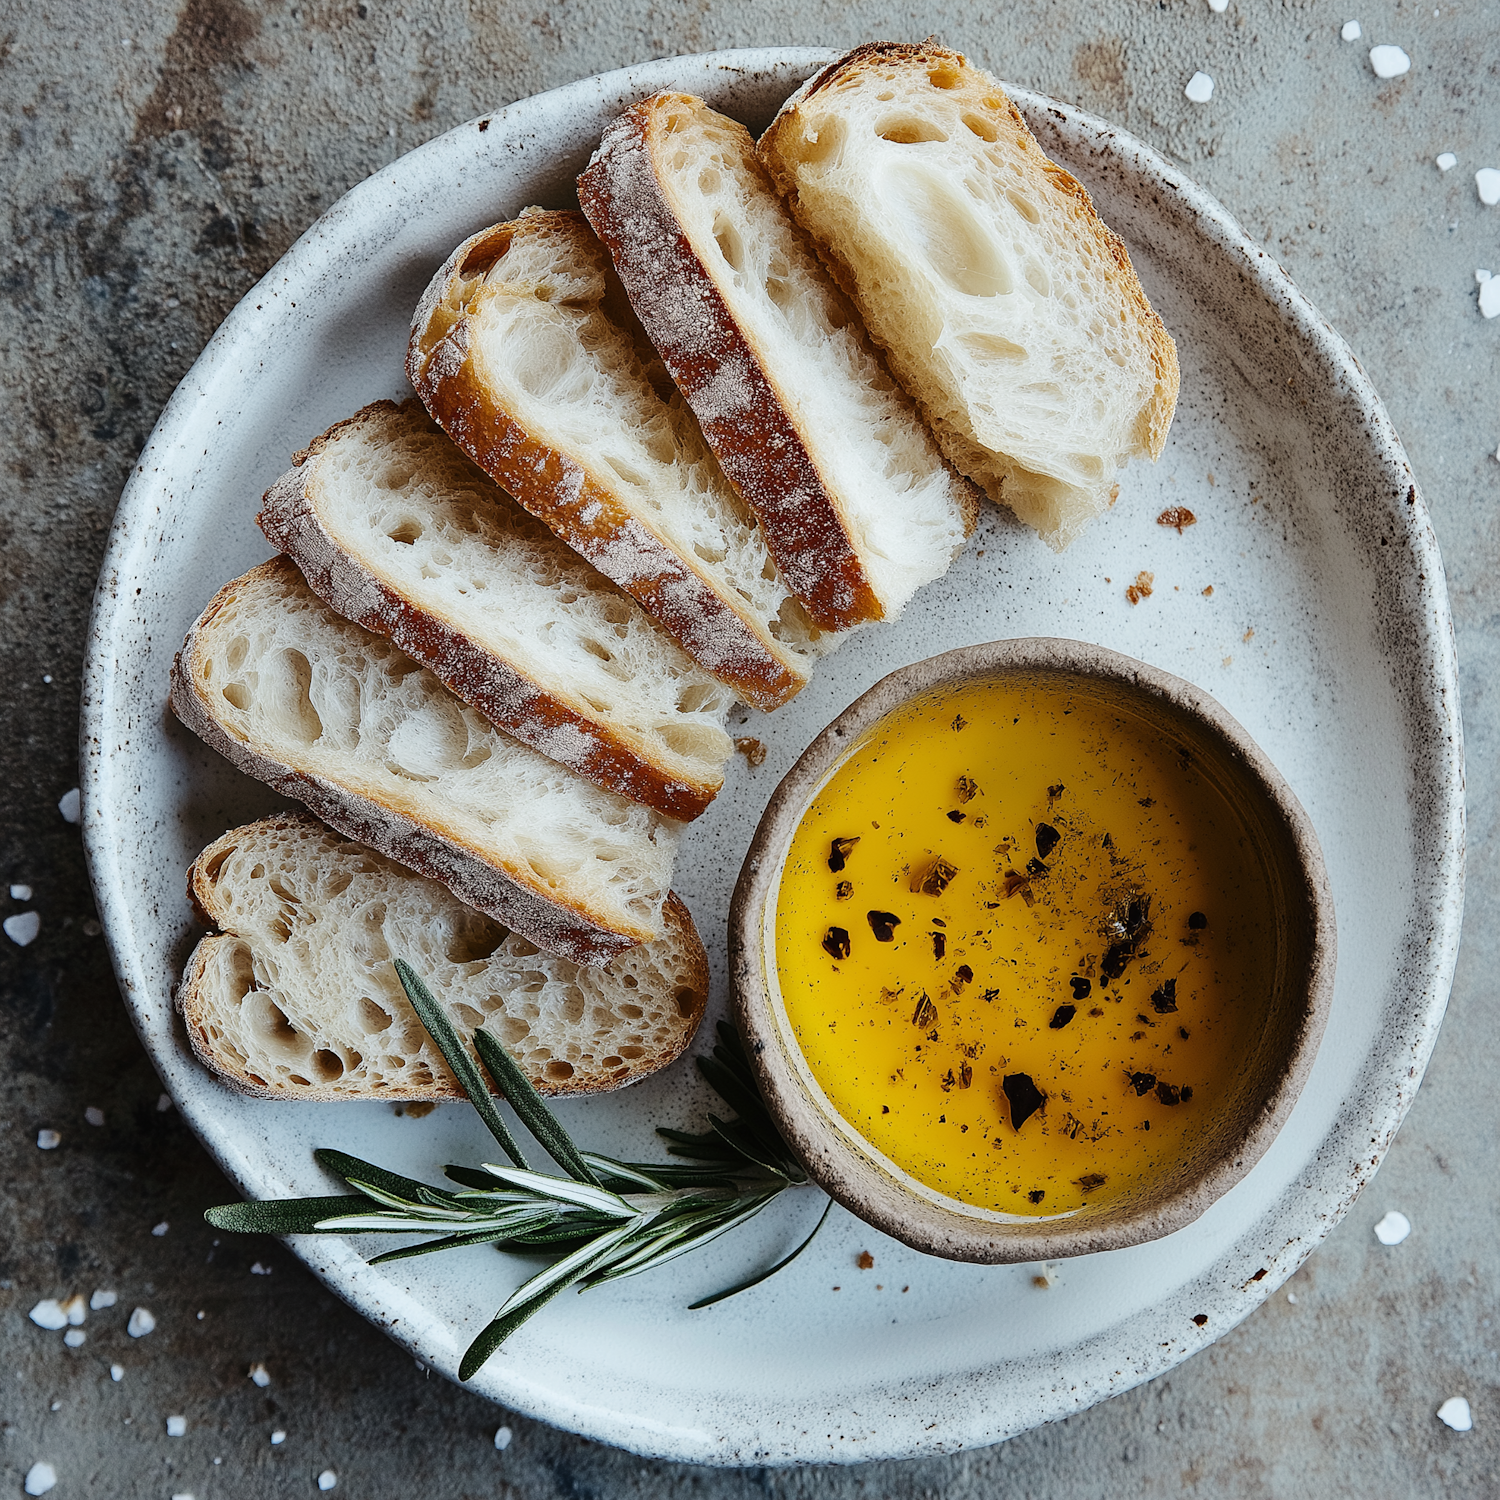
x=959, y=722
x=936, y=878
x=1168, y=1093
x=956, y=817
x=1061, y=1016
x=1037, y=868
x=1047, y=839
x=962, y=975
x=1089, y=1181
x=1024, y=1096
x=939, y=944
x=1142, y=1083
x=1164, y=1000
x=1129, y=926
x=926, y=1012
x=965, y=1075
x=1055, y=791
x=1082, y=987
x=883, y=924
x=836, y=942
x=1036, y=1195
x=1146, y=801
x=968, y=789
x=844, y=890
x=1187, y=1092
x=1197, y=921
x=1182, y=1031
x=839, y=853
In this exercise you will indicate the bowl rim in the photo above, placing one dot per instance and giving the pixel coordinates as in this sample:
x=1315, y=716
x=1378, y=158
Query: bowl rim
x=827, y=1152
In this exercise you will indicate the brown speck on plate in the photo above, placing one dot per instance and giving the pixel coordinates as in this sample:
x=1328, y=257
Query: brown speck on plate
x=752, y=749
x=865, y=1261
x=1141, y=588
x=1178, y=516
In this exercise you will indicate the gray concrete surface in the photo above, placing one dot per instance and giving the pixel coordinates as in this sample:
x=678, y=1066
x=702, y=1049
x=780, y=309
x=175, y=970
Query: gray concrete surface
x=157, y=162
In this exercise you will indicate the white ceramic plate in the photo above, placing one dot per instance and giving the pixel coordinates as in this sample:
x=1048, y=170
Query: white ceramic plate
x=1327, y=634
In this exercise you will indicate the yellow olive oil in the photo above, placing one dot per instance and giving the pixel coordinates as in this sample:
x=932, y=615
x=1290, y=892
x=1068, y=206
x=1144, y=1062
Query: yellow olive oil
x=1024, y=945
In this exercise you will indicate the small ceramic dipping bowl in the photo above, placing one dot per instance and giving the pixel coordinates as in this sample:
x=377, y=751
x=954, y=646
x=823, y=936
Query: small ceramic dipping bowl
x=1230, y=1131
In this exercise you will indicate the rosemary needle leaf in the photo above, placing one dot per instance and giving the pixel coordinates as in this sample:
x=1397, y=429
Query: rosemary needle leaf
x=440, y=1029
x=448, y=1242
x=744, y=1286
x=495, y=1333
x=533, y=1113
x=470, y=1177
x=607, y=1169
x=408, y=1189
x=601, y=1200
x=287, y=1216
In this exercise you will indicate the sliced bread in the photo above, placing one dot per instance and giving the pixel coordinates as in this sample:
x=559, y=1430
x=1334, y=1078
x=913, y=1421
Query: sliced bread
x=858, y=505
x=526, y=352
x=344, y=721
x=1002, y=301
x=397, y=530
x=295, y=995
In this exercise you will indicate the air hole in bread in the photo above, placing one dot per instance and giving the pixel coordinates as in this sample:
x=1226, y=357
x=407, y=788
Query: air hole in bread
x=284, y=888
x=712, y=554
x=687, y=1001
x=731, y=245
x=627, y=473
x=281, y=928
x=234, y=657
x=614, y=1064
x=815, y=147
x=485, y=255
x=597, y=648
x=241, y=970
x=944, y=76
x=510, y=1029
x=631, y=1053
x=287, y=696
x=991, y=348
x=781, y=293
x=237, y=694
x=1038, y=279
x=371, y=1016
x=573, y=1005
x=406, y=532
x=708, y=181
x=695, y=697
x=336, y=884
x=984, y=129
x=558, y=1072
x=257, y=871
x=475, y=939
x=944, y=230
x=885, y=98
x=1024, y=206
x=212, y=867
x=393, y=476
x=630, y=1012
x=909, y=130
x=467, y=1016
x=676, y=123
x=546, y=363
x=329, y=1065
x=692, y=741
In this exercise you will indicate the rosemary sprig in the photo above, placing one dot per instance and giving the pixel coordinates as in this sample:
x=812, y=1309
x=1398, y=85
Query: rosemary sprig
x=603, y=1220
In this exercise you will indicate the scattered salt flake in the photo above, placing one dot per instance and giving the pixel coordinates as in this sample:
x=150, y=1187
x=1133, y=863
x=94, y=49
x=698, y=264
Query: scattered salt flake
x=503, y=1435
x=1446, y=161
x=1351, y=31
x=1218, y=7
x=75, y=1309
x=49, y=1314
x=183, y=1496
x=22, y=928
x=70, y=805
x=1456, y=1414
x=94, y=1115
x=1388, y=61
x=176, y=1426
x=1481, y=276
x=141, y=1323
x=48, y=1140
x=1487, y=180
x=160, y=1229
x=327, y=1479
x=117, y=1373
x=259, y=1270
x=102, y=1299
x=1200, y=88
x=74, y=1337
x=40, y=1478
x=260, y=1376
x=20, y=893
x=1489, y=297
x=278, y=1437
x=1292, y=1298
x=163, y=1103
x=1393, y=1228
x=1046, y=1278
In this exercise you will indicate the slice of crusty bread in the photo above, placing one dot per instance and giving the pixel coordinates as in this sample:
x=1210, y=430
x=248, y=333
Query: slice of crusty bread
x=1002, y=301
x=296, y=997
x=342, y=720
x=397, y=530
x=857, y=503
x=526, y=352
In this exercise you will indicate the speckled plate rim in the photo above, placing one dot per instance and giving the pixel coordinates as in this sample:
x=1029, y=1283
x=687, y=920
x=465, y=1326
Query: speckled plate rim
x=1098, y=1368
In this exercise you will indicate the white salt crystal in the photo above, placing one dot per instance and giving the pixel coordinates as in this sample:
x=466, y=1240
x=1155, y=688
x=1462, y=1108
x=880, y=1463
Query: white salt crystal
x=1388, y=61
x=1489, y=297
x=48, y=1314
x=1393, y=1228
x=1351, y=31
x=75, y=1309
x=40, y=1478
x=101, y=1299
x=259, y=1270
x=48, y=1140
x=1292, y=1298
x=20, y=893
x=160, y=1229
x=163, y=1103
x=327, y=1479
x=260, y=1376
x=94, y=1115
x=1446, y=161
x=1455, y=1412
x=278, y=1437
x=70, y=805
x=503, y=1435
x=22, y=928
x=117, y=1373
x=1200, y=88
x=1218, y=7
x=74, y=1337
x=183, y=1496
x=176, y=1426
x=1486, y=179
x=141, y=1323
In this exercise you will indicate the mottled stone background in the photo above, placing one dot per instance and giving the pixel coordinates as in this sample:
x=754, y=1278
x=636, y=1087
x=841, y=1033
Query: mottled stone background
x=156, y=163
